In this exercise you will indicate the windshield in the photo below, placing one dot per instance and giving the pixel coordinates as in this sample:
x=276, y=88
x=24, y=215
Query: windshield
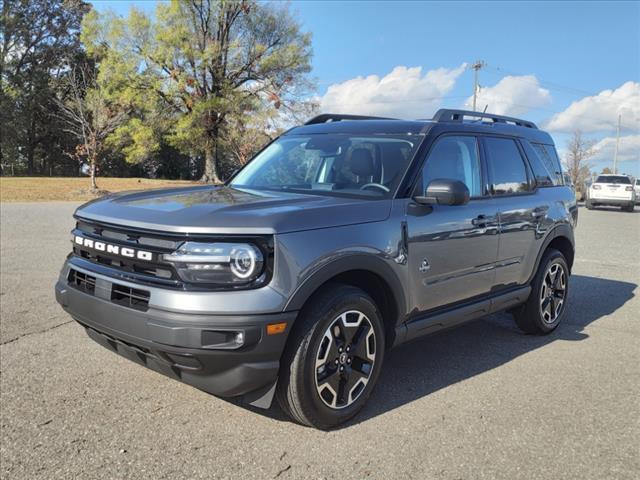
x=613, y=179
x=334, y=164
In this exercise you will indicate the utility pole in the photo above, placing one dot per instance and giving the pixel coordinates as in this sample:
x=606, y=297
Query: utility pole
x=476, y=66
x=615, y=155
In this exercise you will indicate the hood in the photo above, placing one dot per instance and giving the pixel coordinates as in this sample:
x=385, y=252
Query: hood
x=208, y=209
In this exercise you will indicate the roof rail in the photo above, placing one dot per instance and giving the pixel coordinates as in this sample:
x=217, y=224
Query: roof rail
x=336, y=117
x=446, y=115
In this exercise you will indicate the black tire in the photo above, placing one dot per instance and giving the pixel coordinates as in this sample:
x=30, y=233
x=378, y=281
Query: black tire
x=298, y=392
x=629, y=208
x=589, y=205
x=534, y=317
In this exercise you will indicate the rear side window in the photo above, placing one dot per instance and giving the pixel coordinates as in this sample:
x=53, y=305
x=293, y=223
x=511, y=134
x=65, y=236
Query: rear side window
x=545, y=164
x=507, y=171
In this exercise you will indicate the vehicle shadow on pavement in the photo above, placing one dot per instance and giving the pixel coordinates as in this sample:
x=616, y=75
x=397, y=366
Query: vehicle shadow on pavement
x=615, y=210
x=429, y=364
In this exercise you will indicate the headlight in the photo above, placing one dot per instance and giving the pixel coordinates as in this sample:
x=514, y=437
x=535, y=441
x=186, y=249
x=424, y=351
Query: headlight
x=217, y=263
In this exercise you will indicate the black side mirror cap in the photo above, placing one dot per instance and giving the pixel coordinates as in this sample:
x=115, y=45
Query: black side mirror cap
x=442, y=191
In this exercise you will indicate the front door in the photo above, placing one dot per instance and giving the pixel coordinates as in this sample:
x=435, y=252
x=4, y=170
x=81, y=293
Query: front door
x=452, y=249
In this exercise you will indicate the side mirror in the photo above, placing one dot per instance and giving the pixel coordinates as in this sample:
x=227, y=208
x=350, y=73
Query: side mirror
x=443, y=191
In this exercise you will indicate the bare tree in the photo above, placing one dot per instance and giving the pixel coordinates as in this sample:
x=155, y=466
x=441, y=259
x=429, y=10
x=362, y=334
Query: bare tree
x=579, y=150
x=89, y=116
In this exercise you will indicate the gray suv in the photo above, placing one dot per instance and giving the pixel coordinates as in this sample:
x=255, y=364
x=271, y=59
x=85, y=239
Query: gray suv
x=342, y=238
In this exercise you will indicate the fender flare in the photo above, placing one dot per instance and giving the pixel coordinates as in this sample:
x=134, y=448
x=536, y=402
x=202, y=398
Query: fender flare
x=367, y=262
x=562, y=230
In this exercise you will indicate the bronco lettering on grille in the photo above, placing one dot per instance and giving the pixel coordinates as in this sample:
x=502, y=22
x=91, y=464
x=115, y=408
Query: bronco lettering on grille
x=113, y=249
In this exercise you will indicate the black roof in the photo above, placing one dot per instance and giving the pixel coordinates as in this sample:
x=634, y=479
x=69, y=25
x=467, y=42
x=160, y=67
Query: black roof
x=443, y=120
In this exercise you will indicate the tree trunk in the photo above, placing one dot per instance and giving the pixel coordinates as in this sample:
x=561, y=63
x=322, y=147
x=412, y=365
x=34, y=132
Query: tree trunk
x=31, y=145
x=210, y=174
x=94, y=185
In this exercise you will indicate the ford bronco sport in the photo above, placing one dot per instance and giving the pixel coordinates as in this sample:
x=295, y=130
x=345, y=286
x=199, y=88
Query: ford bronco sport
x=342, y=238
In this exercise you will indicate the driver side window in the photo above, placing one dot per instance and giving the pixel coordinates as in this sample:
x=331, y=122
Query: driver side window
x=454, y=158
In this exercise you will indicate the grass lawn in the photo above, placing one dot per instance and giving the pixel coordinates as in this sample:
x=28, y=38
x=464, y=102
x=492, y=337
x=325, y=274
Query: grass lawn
x=41, y=189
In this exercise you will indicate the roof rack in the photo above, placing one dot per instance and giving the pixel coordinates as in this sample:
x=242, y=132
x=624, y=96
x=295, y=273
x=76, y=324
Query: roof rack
x=336, y=117
x=446, y=115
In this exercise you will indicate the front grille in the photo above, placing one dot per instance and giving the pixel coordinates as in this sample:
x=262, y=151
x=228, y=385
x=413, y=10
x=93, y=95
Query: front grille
x=153, y=271
x=130, y=297
x=133, y=266
x=82, y=281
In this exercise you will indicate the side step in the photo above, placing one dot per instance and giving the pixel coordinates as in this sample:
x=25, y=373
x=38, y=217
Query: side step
x=438, y=321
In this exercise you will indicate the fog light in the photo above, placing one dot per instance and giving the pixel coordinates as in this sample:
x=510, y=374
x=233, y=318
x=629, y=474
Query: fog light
x=239, y=338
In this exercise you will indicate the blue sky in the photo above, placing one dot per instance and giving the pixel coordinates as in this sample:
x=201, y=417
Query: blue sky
x=379, y=57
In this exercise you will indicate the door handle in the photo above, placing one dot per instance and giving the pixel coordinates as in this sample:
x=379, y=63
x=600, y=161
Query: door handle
x=539, y=212
x=482, y=220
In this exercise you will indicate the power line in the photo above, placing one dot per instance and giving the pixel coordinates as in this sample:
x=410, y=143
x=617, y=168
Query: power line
x=597, y=119
x=551, y=85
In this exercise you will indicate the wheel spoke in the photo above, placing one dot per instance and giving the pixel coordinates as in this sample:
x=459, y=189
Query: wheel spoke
x=360, y=333
x=361, y=367
x=359, y=348
x=351, y=386
x=327, y=374
x=559, y=278
x=548, y=280
x=342, y=390
x=331, y=384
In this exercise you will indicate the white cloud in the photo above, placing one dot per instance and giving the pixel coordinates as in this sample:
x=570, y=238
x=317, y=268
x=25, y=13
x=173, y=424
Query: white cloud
x=513, y=95
x=405, y=92
x=628, y=151
x=600, y=112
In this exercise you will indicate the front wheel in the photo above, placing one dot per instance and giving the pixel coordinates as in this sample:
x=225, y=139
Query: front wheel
x=333, y=358
x=545, y=307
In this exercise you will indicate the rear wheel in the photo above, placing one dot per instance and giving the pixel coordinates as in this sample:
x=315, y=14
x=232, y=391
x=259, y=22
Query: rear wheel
x=629, y=208
x=333, y=358
x=588, y=204
x=545, y=308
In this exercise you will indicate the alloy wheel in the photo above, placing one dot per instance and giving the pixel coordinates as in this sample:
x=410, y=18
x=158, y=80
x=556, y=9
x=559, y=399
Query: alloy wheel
x=552, y=293
x=345, y=359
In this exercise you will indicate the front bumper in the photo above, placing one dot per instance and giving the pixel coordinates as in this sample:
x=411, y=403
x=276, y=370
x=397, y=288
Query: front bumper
x=198, y=349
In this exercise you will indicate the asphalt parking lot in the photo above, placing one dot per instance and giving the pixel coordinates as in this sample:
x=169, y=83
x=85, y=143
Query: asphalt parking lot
x=481, y=401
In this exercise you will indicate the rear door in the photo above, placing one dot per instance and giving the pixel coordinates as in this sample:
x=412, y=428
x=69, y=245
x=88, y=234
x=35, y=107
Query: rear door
x=451, y=249
x=521, y=209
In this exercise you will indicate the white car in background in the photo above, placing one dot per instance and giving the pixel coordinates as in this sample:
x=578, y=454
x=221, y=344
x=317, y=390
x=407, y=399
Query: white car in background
x=612, y=190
